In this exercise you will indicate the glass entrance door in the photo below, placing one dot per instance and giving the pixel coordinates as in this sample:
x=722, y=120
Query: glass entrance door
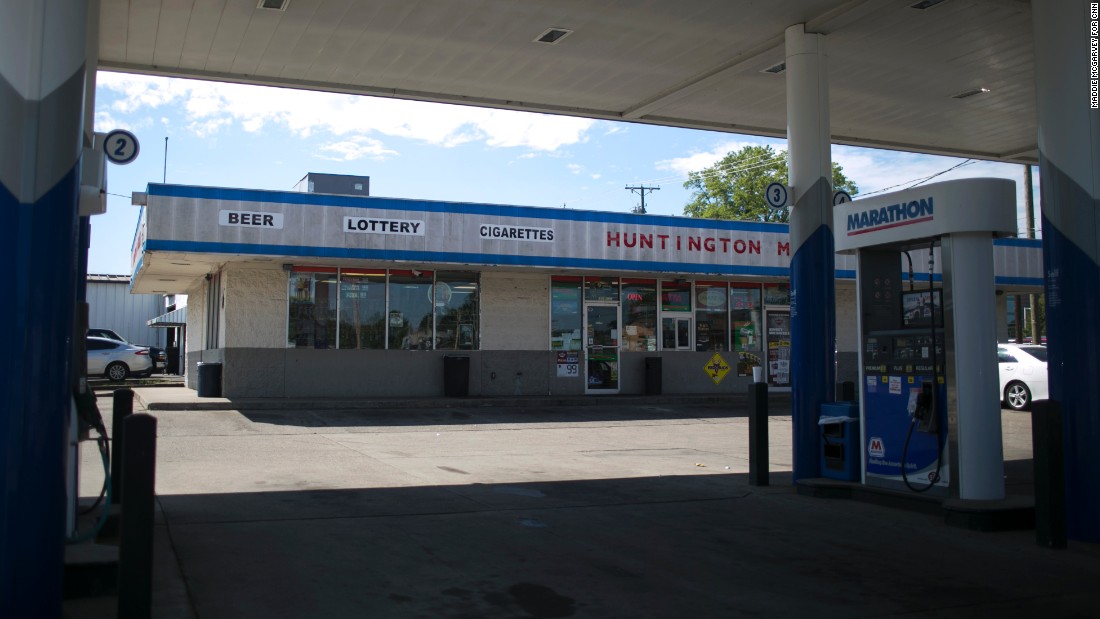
x=601, y=327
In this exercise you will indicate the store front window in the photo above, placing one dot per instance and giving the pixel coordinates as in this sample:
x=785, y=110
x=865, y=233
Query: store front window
x=639, y=315
x=565, y=313
x=312, y=308
x=456, y=311
x=378, y=309
x=362, y=309
x=410, y=316
x=711, y=316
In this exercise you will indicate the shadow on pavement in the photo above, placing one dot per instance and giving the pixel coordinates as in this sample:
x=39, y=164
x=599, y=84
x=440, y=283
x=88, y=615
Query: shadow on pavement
x=670, y=546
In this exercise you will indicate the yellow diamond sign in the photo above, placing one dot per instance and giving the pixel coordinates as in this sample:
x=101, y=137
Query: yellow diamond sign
x=717, y=368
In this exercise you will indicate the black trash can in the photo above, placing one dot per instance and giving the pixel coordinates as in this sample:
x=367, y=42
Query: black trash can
x=456, y=376
x=172, y=363
x=210, y=380
x=653, y=376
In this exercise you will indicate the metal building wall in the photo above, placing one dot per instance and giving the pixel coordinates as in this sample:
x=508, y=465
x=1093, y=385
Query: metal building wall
x=111, y=306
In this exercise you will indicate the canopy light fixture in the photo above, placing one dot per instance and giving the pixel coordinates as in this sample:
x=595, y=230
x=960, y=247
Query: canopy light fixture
x=552, y=35
x=970, y=93
x=274, y=5
x=776, y=69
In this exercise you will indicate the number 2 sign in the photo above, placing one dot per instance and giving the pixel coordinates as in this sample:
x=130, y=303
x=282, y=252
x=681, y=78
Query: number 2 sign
x=121, y=146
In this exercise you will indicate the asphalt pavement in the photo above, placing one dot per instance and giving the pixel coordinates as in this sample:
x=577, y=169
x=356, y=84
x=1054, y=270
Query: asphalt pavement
x=611, y=507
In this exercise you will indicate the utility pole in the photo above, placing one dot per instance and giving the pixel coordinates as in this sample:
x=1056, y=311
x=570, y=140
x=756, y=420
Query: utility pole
x=641, y=190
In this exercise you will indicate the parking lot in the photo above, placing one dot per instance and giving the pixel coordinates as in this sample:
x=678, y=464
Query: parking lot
x=602, y=510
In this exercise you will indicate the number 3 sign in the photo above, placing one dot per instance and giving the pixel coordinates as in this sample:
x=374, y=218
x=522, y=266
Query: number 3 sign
x=121, y=146
x=776, y=195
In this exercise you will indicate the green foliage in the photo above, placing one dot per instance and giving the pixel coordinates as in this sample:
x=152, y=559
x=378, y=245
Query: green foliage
x=733, y=188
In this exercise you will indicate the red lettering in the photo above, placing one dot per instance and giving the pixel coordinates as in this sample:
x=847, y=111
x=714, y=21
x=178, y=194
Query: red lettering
x=725, y=245
x=663, y=237
x=612, y=239
x=708, y=244
x=739, y=246
x=694, y=243
x=677, y=243
x=783, y=249
x=647, y=241
x=631, y=239
x=754, y=247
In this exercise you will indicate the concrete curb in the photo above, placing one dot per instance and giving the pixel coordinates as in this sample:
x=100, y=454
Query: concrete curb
x=156, y=399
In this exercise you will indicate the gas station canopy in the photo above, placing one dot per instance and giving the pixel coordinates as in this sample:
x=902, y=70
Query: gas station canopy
x=951, y=77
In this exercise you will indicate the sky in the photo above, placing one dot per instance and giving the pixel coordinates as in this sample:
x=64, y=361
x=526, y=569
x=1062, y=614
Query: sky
x=232, y=135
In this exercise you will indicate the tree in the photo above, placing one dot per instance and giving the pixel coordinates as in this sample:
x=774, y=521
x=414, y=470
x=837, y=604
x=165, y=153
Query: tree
x=734, y=187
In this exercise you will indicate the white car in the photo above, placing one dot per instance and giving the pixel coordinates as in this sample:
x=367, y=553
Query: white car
x=116, y=360
x=1023, y=370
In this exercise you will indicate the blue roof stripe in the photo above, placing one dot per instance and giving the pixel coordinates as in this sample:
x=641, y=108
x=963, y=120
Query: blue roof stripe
x=429, y=206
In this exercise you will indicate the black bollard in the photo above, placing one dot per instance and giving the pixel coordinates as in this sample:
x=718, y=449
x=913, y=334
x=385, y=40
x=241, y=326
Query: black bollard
x=1050, y=475
x=758, y=434
x=122, y=407
x=135, y=544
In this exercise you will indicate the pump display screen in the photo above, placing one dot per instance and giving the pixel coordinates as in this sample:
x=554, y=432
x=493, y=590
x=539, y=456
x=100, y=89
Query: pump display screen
x=916, y=308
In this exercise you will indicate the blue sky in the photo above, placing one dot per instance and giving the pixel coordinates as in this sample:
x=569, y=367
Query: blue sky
x=230, y=135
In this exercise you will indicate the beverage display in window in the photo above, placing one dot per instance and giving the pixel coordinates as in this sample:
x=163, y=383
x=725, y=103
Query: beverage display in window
x=639, y=315
x=745, y=326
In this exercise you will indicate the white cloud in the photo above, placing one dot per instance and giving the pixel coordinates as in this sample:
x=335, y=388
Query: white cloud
x=595, y=177
x=356, y=148
x=574, y=168
x=697, y=161
x=211, y=106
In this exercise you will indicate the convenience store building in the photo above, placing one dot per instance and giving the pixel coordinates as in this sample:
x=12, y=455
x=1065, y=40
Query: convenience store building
x=302, y=294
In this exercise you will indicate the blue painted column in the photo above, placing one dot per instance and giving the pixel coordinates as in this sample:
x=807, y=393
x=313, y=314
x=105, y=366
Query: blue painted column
x=42, y=51
x=813, y=289
x=1069, y=160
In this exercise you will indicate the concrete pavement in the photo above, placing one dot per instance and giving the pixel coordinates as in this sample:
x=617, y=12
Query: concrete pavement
x=612, y=509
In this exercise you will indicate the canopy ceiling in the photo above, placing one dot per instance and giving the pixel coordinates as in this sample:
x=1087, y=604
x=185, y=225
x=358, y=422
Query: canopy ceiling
x=895, y=71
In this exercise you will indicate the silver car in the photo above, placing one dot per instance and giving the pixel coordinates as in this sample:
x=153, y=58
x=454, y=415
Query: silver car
x=116, y=360
x=1023, y=373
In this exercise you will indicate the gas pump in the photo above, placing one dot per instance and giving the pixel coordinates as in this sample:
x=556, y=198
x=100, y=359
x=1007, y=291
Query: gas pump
x=930, y=419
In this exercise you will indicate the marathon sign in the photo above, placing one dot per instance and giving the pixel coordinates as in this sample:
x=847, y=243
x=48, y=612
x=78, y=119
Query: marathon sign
x=892, y=216
x=926, y=212
x=381, y=225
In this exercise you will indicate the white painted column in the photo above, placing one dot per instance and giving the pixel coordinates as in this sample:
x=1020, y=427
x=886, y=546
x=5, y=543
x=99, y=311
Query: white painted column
x=813, y=304
x=968, y=279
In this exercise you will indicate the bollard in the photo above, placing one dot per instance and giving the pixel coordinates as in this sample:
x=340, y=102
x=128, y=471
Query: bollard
x=758, y=434
x=1050, y=477
x=135, y=544
x=122, y=407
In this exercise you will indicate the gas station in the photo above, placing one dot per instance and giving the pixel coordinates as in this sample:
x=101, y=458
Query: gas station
x=989, y=79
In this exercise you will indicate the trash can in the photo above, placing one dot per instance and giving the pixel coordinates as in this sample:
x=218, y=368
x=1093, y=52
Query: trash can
x=839, y=423
x=653, y=376
x=172, y=362
x=210, y=380
x=456, y=376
